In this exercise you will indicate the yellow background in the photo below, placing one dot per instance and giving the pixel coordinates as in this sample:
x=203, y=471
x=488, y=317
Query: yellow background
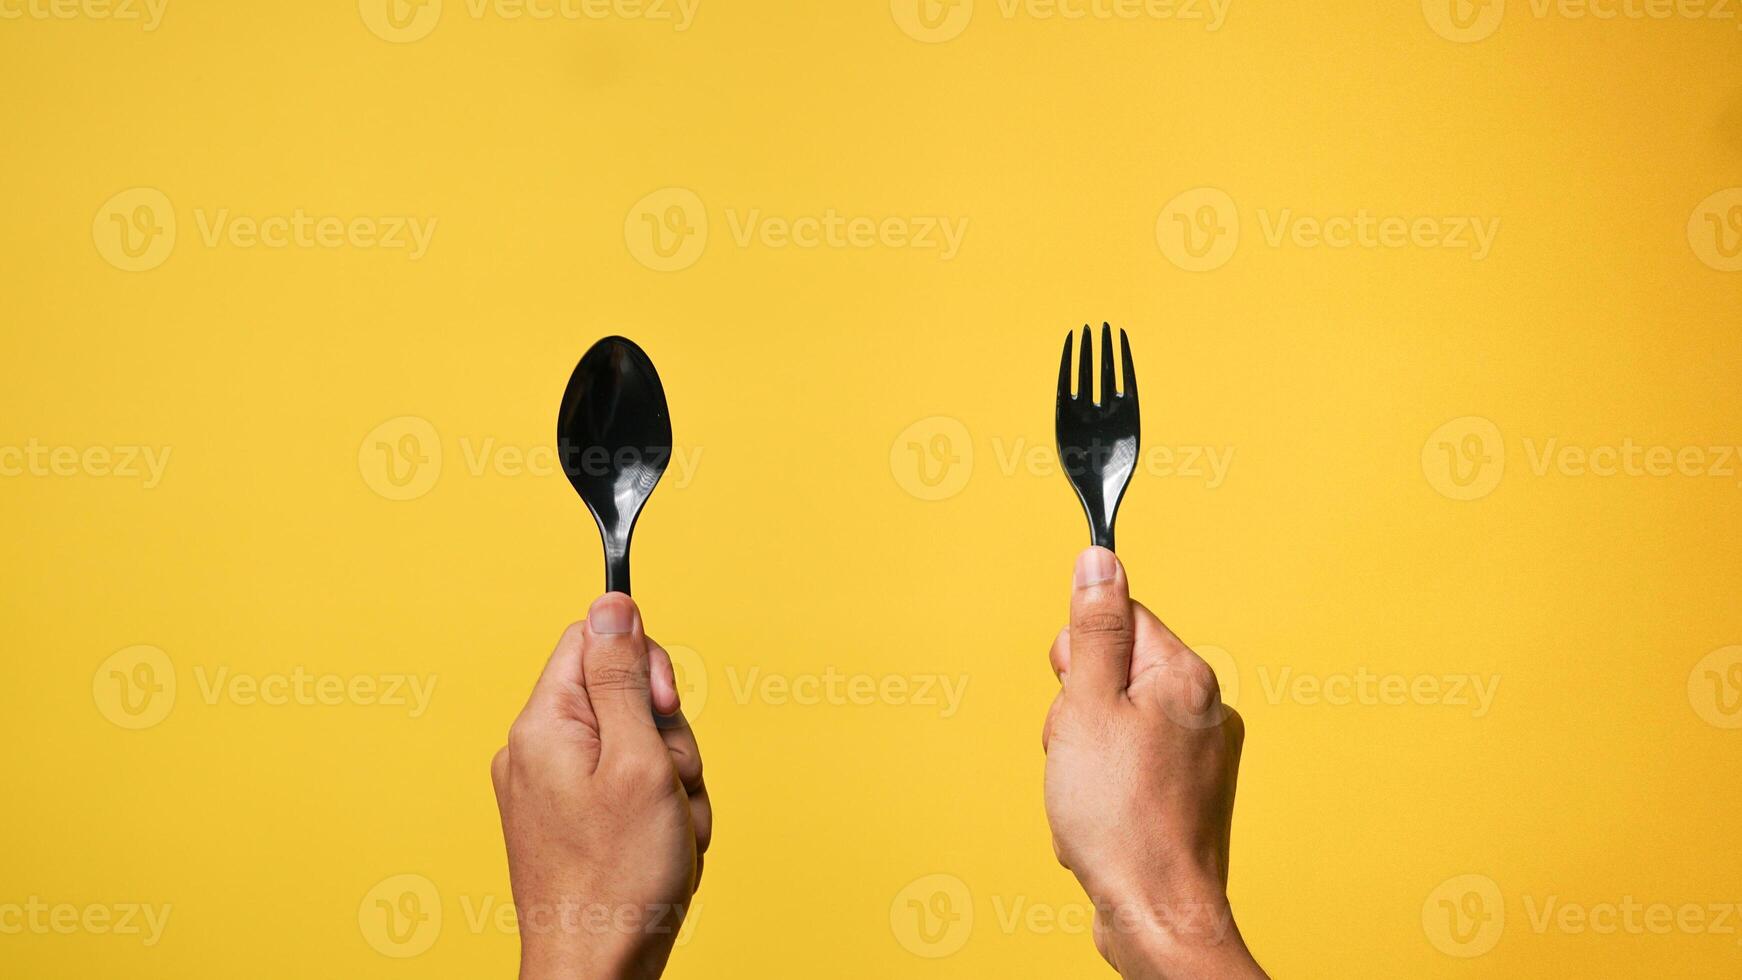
x=797, y=547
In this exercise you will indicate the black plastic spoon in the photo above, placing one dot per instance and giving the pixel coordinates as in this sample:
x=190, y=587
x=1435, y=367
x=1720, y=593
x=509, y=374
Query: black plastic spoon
x=613, y=435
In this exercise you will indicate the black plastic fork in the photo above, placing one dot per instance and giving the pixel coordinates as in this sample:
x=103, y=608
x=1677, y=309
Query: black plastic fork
x=1098, y=438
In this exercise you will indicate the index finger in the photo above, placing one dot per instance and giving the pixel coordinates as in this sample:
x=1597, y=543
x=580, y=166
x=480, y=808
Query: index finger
x=557, y=685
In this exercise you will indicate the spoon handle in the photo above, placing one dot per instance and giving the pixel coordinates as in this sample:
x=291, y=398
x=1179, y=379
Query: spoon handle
x=617, y=571
x=1101, y=536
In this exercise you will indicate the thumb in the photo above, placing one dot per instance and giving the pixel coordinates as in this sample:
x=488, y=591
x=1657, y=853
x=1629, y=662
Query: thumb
x=1102, y=625
x=616, y=673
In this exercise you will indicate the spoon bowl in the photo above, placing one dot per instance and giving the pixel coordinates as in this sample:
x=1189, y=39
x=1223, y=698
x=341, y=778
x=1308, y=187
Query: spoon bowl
x=613, y=436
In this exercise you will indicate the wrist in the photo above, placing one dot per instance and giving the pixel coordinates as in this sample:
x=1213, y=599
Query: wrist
x=573, y=940
x=1225, y=963
x=544, y=962
x=1190, y=934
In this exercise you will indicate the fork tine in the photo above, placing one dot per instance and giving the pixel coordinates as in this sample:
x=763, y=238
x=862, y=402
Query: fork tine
x=1065, y=369
x=1086, y=368
x=1127, y=370
x=1108, y=388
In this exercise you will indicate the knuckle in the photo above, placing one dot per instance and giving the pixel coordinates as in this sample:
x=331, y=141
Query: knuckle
x=1102, y=939
x=1194, y=671
x=1046, y=726
x=523, y=739
x=688, y=763
x=703, y=819
x=1235, y=726
x=638, y=775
